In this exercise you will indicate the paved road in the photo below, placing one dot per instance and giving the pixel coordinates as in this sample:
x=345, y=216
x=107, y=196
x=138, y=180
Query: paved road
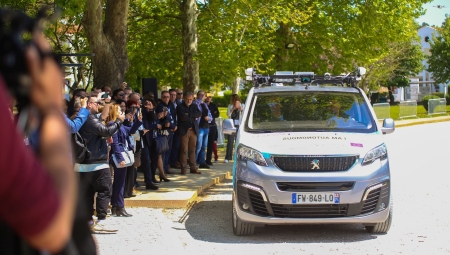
x=420, y=176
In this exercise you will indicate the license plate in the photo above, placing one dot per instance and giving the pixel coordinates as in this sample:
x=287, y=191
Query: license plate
x=315, y=198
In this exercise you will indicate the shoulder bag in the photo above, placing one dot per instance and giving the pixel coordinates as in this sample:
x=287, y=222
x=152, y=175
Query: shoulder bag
x=127, y=155
x=162, y=145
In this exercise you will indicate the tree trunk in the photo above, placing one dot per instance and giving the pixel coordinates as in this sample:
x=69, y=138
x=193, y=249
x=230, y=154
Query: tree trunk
x=236, y=82
x=284, y=38
x=189, y=13
x=107, y=40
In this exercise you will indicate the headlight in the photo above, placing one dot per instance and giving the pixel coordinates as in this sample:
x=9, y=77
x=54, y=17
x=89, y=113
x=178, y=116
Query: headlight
x=246, y=153
x=379, y=152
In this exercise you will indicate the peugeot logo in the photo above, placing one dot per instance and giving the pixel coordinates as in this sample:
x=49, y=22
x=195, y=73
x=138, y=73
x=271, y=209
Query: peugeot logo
x=315, y=164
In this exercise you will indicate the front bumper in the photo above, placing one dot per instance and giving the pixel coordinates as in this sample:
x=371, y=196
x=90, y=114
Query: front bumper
x=254, y=205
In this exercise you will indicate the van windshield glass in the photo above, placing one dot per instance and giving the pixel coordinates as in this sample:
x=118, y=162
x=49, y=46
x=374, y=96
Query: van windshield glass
x=309, y=112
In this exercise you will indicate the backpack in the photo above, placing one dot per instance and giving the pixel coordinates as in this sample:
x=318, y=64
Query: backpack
x=80, y=151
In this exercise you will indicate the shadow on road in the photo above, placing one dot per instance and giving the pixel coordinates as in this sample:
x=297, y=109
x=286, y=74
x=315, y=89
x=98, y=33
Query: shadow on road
x=210, y=221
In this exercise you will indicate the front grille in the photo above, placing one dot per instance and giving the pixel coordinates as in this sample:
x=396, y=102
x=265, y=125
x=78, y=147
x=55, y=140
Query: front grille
x=371, y=202
x=325, y=164
x=314, y=186
x=258, y=204
x=309, y=211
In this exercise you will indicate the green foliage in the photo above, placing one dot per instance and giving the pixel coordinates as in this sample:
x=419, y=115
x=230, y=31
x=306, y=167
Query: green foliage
x=439, y=60
x=224, y=101
x=65, y=35
x=439, y=94
x=426, y=98
x=154, y=43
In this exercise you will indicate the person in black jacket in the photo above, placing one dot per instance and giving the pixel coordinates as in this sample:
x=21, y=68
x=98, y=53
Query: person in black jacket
x=169, y=124
x=188, y=115
x=212, y=137
x=151, y=121
x=95, y=175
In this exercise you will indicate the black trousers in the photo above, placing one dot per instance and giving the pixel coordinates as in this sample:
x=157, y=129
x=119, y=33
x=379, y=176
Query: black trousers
x=146, y=167
x=166, y=155
x=212, y=137
x=230, y=145
x=129, y=182
x=97, y=181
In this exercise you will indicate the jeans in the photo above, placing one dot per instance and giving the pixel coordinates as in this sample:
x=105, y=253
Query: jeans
x=202, y=143
x=97, y=181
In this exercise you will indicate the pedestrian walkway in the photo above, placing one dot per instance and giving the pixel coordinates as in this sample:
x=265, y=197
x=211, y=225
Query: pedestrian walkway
x=183, y=190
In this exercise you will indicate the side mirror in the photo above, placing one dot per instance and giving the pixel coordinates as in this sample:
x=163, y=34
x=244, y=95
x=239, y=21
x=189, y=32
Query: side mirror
x=388, y=126
x=228, y=127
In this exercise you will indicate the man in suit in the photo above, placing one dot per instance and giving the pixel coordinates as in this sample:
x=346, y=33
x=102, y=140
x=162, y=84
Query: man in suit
x=188, y=115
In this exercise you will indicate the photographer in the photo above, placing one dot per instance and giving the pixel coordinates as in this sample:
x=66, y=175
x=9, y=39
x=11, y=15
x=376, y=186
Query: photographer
x=41, y=189
x=168, y=119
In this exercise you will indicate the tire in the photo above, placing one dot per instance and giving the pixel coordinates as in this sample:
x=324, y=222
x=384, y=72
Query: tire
x=382, y=227
x=240, y=228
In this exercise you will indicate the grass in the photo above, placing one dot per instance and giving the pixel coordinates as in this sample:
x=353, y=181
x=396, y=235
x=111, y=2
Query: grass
x=421, y=112
x=394, y=111
x=223, y=112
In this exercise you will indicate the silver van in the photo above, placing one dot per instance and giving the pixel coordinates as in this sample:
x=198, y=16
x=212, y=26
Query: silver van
x=310, y=153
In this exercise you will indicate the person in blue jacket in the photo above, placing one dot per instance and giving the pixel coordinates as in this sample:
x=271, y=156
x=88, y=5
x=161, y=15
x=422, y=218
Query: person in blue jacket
x=75, y=124
x=120, y=143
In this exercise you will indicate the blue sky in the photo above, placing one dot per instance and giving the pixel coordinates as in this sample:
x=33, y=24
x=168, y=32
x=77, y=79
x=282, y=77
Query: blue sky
x=433, y=15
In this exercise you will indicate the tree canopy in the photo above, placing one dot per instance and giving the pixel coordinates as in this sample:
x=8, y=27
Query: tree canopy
x=327, y=36
x=439, y=60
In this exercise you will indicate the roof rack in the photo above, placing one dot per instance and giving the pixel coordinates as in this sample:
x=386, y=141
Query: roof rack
x=306, y=78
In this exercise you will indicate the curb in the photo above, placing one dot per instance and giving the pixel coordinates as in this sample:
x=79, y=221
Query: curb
x=170, y=203
x=421, y=122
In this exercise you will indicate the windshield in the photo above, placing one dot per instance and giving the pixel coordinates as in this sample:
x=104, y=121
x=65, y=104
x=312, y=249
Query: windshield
x=310, y=111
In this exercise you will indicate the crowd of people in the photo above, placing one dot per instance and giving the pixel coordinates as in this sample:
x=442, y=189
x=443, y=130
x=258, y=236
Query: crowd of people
x=120, y=131
x=126, y=133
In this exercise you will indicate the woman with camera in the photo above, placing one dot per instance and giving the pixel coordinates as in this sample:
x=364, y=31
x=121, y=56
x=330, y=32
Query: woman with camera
x=121, y=156
x=153, y=123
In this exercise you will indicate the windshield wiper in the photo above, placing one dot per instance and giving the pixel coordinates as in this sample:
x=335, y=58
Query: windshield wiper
x=259, y=131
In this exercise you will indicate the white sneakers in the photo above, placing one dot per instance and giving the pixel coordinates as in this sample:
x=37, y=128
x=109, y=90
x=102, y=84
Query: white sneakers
x=225, y=161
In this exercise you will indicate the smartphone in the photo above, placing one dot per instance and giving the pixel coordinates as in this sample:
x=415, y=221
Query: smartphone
x=104, y=96
x=164, y=109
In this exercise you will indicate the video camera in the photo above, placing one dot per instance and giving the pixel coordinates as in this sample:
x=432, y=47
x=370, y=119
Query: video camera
x=16, y=30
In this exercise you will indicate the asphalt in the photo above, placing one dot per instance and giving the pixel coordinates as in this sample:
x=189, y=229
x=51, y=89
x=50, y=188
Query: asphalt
x=183, y=190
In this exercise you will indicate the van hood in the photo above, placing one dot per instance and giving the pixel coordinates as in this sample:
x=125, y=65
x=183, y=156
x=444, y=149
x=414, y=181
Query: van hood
x=307, y=143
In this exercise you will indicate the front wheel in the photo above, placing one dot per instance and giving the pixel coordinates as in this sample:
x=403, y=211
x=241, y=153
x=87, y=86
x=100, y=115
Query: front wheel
x=240, y=228
x=382, y=227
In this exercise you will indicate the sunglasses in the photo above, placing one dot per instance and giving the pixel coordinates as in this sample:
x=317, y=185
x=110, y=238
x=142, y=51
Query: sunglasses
x=180, y=93
x=121, y=95
x=166, y=96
